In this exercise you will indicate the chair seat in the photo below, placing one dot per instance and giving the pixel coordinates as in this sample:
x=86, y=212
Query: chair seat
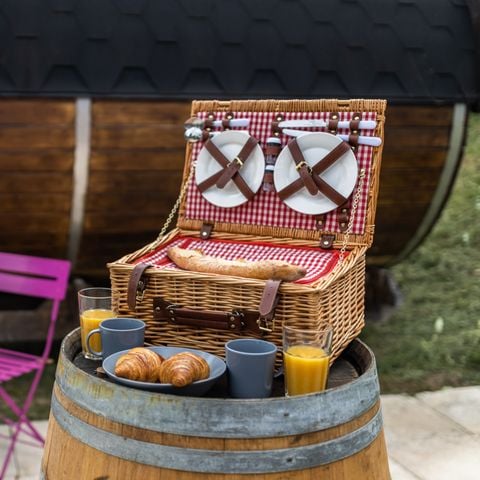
x=15, y=364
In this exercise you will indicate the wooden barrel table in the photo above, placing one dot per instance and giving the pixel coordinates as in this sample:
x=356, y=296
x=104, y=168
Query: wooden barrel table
x=102, y=430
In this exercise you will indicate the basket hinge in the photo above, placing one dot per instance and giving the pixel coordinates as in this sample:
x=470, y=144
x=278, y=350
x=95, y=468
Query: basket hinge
x=268, y=304
x=326, y=241
x=206, y=231
x=136, y=286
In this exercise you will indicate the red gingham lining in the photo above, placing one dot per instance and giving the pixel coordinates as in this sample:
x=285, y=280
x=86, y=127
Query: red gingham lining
x=317, y=262
x=266, y=208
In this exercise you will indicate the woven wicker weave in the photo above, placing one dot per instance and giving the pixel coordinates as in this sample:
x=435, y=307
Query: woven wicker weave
x=337, y=298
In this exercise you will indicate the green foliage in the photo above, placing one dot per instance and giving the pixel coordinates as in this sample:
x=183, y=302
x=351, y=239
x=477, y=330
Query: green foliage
x=433, y=339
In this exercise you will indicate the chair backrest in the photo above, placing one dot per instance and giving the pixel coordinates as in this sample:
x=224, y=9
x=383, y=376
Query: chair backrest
x=34, y=276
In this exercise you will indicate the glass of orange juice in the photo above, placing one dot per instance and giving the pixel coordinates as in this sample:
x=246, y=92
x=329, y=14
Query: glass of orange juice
x=306, y=357
x=94, y=305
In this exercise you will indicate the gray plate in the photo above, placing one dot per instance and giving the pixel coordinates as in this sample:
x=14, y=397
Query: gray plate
x=217, y=369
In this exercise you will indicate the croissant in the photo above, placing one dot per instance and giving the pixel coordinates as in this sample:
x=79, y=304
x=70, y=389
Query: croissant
x=139, y=364
x=183, y=368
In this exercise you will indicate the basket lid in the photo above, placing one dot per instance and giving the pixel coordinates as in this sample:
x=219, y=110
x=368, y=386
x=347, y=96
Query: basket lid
x=254, y=210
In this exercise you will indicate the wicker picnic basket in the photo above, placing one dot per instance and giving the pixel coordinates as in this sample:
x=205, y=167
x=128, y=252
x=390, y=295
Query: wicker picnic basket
x=201, y=310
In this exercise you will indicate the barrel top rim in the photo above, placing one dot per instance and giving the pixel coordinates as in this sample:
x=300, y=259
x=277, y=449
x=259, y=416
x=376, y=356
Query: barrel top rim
x=356, y=344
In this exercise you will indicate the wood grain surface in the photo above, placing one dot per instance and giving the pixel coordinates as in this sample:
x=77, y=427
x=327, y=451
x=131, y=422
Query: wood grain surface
x=136, y=160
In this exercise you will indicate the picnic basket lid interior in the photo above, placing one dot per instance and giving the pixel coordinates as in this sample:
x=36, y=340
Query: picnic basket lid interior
x=266, y=214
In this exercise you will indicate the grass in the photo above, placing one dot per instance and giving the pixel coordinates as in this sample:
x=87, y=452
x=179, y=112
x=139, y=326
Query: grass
x=433, y=339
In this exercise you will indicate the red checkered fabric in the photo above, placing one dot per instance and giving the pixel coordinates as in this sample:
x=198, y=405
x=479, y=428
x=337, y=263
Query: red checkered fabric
x=317, y=262
x=266, y=208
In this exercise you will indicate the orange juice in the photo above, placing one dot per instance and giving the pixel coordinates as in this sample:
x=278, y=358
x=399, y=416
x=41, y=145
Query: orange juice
x=90, y=320
x=306, y=369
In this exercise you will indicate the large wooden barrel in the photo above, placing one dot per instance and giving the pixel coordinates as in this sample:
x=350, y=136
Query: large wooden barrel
x=99, y=430
x=94, y=180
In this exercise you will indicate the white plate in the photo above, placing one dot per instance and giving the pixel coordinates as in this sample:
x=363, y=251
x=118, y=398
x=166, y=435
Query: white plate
x=216, y=364
x=230, y=143
x=342, y=175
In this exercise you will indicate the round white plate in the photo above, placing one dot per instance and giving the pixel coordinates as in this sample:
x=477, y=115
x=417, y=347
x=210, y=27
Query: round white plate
x=230, y=143
x=216, y=364
x=342, y=175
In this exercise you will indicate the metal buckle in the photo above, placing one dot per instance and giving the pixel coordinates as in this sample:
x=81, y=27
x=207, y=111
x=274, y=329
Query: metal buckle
x=263, y=325
x=302, y=164
x=236, y=159
x=141, y=287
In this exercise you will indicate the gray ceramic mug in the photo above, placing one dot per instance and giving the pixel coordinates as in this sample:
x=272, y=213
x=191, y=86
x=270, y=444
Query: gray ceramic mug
x=117, y=334
x=250, y=364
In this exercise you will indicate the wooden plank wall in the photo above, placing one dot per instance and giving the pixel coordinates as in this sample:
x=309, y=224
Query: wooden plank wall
x=136, y=165
x=137, y=156
x=37, y=141
x=416, y=145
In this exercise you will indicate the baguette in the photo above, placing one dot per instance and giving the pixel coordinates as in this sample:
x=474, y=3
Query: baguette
x=196, y=261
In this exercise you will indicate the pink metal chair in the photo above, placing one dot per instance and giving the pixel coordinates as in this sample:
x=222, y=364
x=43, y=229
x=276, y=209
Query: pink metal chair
x=34, y=277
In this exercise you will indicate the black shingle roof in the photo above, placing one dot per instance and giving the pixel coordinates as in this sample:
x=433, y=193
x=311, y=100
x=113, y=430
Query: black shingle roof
x=403, y=50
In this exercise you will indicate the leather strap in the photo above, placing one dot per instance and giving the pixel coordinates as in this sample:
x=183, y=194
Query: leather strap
x=234, y=321
x=333, y=123
x=355, y=122
x=302, y=167
x=316, y=170
x=269, y=300
x=224, y=162
x=234, y=166
x=136, y=285
x=343, y=217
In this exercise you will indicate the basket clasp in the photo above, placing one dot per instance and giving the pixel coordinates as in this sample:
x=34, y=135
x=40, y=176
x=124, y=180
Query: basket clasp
x=265, y=326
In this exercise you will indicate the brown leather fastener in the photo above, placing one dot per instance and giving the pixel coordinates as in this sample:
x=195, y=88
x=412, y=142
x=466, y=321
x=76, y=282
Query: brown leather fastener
x=237, y=320
x=206, y=231
x=136, y=285
x=326, y=241
x=208, y=124
x=224, y=162
x=317, y=169
x=226, y=123
x=320, y=221
x=269, y=300
x=302, y=167
x=353, y=140
x=355, y=122
x=343, y=217
x=234, y=166
x=333, y=123
x=276, y=130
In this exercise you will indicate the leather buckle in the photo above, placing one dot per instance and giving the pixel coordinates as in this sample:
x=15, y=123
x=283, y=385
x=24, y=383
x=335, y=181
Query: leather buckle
x=237, y=160
x=263, y=325
x=141, y=287
x=302, y=164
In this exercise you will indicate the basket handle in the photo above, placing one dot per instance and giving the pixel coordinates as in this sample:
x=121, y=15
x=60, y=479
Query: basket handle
x=236, y=320
x=260, y=322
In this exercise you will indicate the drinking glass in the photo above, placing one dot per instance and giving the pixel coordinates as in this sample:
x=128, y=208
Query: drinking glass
x=94, y=305
x=306, y=357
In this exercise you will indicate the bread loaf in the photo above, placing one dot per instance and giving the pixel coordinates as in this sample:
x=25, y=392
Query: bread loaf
x=196, y=261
